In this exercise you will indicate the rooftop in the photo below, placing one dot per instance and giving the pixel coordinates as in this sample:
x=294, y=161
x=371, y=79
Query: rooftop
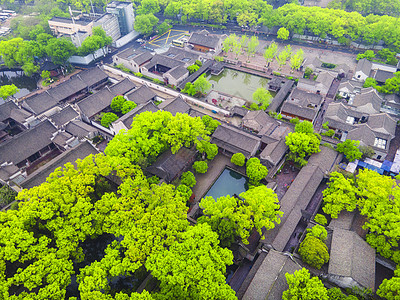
x=39, y=103
x=175, y=105
x=204, y=40
x=95, y=103
x=64, y=116
x=141, y=95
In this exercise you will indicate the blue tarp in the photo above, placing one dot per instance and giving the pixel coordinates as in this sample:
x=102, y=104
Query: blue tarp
x=362, y=164
x=386, y=165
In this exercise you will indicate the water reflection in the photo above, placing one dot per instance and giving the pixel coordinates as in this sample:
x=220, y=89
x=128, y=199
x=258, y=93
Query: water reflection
x=24, y=83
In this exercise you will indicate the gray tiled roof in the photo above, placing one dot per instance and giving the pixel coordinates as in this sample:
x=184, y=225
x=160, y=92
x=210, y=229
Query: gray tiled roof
x=382, y=123
x=80, y=129
x=122, y=87
x=178, y=72
x=135, y=55
x=204, y=40
x=164, y=61
x=175, y=105
x=351, y=256
x=128, y=117
x=141, y=95
x=257, y=120
x=337, y=113
x=64, y=116
x=67, y=88
x=39, y=103
x=351, y=85
x=368, y=101
x=71, y=155
x=382, y=75
x=364, y=65
x=240, y=111
x=27, y=143
x=95, y=103
x=269, y=282
x=281, y=95
x=92, y=76
x=296, y=110
x=235, y=140
x=11, y=110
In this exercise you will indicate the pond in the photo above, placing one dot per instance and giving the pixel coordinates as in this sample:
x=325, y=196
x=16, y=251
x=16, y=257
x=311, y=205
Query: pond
x=236, y=83
x=24, y=83
x=228, y=183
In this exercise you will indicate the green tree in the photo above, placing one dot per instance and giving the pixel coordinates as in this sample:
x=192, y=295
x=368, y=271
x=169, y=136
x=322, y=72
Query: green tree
x=319, y=232
x=108, y=118
x=205, y=278
x=301, y=144
x=189, y=89
x=188, y=179
x=390, y=288
x=193, y=68
x=238, y=159
x=148, y=7
x=297, y=59
x=163, y=28
x=350, y=149
x=145, y=23
x=284, y=55
x=313, y=251
x=210, y=123
x=307, y=73
x=127, y=106
x=368, y=54
x=320, y=219
x=60, y=50
x=303, y=287
x=45, y=74
x=340, y=195
x=252, y=46
x=258, y=208
x=304, y=127
x=370, y=82
x=8, y=90
x=117, y=102
x=255, y=170
x=270, y=52
x=283, y=33
x=7, y=195
x=262, y=96
x=200, y=167
x=202, y=85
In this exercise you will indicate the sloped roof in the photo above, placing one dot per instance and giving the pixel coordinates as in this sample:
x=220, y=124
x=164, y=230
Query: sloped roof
x=39, y=103
x=141, y=95
x=274, y=152
x=27, y=143
x=257, y=120
x=95, y=103
x=64, y=116
x=351, y=256
x=326, y=78
x=164, y=61
x=296, y=110
x=304, y=98
x=204, y=40
x=178, y=72
x=382, y=123
x=175, y=105
x=240, y=111
x=365, y=134
x=67, y=88
x=350, y=85
x=122, y=87
x=135, y=55
x=336, y=114
x=168, y=166
x=80, y=129
x=181, y=55
x=128, y=117
x=11, y=110
x=269, y=282
x=382, y=75
x=71, y=155
x=299, y=195
x=92, y=76
x=364, y=65
x=368, y=102
x=235, y=140
x=281, y=95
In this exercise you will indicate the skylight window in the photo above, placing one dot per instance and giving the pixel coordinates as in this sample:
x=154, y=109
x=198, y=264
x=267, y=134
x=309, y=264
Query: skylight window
x=380, y=143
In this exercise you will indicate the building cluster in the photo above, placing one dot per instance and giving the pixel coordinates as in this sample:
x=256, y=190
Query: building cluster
x=171, y=66
x=117, y=22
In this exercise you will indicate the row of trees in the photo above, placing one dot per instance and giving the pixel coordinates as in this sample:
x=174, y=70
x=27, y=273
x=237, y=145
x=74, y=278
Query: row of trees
x=322, y=22
x=240, y=44
x=365, y=7
x=376, y=197
x=17, y=52
x=285, y=55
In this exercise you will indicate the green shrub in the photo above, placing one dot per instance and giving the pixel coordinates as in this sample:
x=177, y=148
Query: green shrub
x=320, y=219
x=314, y=252
x=198, y=62
x=128, y=106
x=157, y=81
x=295, y=121
x=200, y=167
x=188, y=179
x=108, y=118
x=117, y=102
x=238, y=159
x=140, y=75
x=218, y=58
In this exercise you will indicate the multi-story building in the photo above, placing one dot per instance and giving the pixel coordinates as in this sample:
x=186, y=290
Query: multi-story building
x=124, y=13
x=67, y=26
x=109, y=22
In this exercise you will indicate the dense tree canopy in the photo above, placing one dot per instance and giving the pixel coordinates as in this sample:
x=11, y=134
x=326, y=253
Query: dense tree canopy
x=350, y=149
x=304, y=287
x=42, y=243
x=232, y=217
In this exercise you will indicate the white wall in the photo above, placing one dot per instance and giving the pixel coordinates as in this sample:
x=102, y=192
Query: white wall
x=85, y=60
x=125, y=39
